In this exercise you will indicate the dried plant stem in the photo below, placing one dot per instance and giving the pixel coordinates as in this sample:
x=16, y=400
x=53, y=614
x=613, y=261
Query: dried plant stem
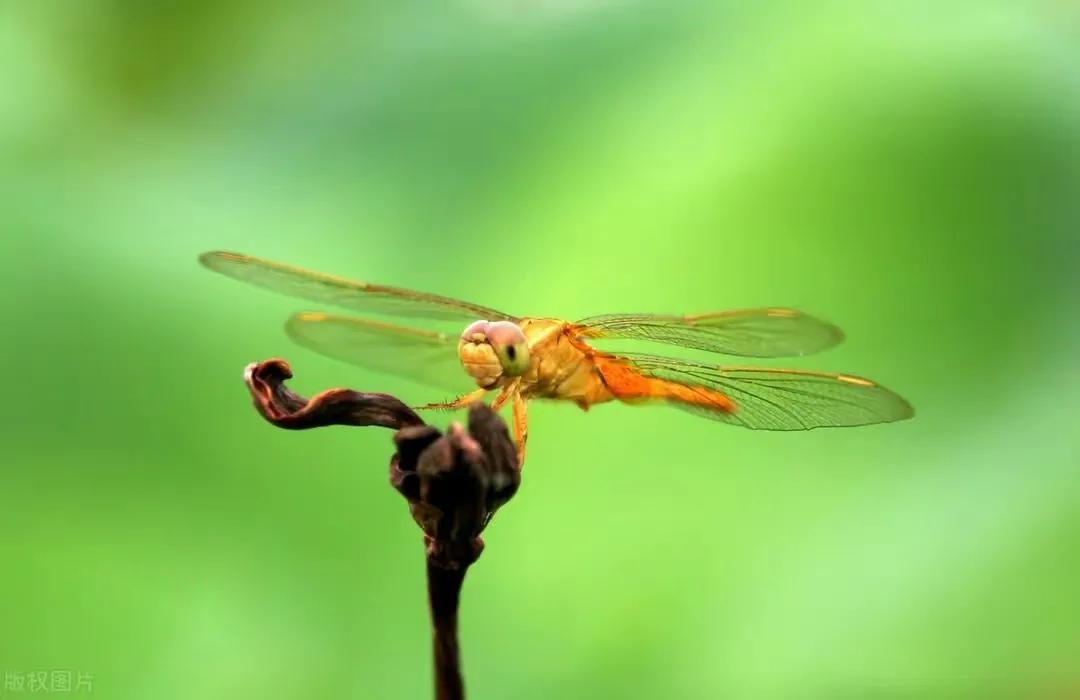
x=453, y=483
x=444, y=592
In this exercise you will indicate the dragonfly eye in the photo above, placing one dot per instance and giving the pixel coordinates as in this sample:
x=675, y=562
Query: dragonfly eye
x=475, y=332
x=510, y=346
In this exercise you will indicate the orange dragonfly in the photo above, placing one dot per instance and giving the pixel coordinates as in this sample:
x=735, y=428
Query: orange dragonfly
x=523, y=358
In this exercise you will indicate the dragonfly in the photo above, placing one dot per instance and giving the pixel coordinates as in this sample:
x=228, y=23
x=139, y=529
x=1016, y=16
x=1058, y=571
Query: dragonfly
x=517, y=359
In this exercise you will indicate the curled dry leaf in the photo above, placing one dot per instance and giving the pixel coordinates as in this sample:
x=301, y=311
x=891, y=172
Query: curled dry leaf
x=281, y=406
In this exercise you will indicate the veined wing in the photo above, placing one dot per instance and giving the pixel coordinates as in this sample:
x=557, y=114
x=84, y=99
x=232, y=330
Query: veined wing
x=423, y=356
x=349, y=294
x=745, y=332
x=781, y=399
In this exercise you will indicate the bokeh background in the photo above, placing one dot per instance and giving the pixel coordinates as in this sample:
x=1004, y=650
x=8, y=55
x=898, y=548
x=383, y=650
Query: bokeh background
x=910, y=171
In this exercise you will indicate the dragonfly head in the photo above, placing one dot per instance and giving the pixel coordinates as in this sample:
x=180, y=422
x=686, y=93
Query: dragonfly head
x=490, y=350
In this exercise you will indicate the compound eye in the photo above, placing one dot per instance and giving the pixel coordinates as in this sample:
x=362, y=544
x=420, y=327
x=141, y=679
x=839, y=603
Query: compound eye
x=475, y=332
x=510, y=347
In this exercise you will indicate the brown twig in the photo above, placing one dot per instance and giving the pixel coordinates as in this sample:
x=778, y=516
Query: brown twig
x=444, y=593
x=453, y=483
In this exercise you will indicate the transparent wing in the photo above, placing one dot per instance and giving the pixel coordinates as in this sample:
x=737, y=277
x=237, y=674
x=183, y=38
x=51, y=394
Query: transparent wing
x=349, y=294
x=781, y=399
x=423, y=356
x=745, y=332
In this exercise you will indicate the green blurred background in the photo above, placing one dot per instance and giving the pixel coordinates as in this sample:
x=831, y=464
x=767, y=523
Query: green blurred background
x=910, y=171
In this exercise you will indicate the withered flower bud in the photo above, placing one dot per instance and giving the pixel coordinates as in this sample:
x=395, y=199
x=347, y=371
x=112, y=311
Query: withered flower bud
x=453, y=483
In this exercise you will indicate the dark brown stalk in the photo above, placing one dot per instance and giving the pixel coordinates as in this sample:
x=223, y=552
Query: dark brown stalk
x=444, y=593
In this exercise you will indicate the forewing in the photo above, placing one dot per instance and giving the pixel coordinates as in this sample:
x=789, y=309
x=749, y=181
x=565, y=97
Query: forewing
x=423, y=356
x=745, y=332
x=350, y=294
x=782, y=399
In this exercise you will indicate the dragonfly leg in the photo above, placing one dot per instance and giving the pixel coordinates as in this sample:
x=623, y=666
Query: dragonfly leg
x=460, y=402
x=521, y=426
x=505, y=395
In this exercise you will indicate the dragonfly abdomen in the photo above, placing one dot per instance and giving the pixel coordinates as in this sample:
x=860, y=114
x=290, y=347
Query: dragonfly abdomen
x=629, y=385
